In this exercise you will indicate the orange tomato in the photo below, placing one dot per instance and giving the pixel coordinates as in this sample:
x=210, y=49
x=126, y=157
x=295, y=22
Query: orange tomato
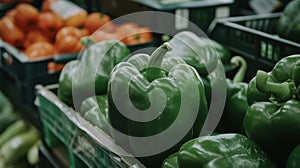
x=34, y=36
x=68, y=31
x=141, y=35
x=72, y=14
x=10, y=33
x=100, y=35
x=126, y=29
x=95, y=20
x=77, y=20
x=68, y=44
x=54, y=67
x=84, y=32
x=46, y=5
x=26, y=16
x=11, y=14
x=49, y=23
x=109, y=27
x=67, y=39
x=41, y=49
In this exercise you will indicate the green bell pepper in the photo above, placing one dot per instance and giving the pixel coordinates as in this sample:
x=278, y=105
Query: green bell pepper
x=288, y=26
x=222, y=52
x=92, y=102
x=204, y=44
x=294, y=158
x=171, y=161
x=222, y=150
x=95, y=110
x=90, y=76
x=200, y=52
x=236, y=100
x=204, y=55
x=65, y=81
x=147, y=95
x=273, y=117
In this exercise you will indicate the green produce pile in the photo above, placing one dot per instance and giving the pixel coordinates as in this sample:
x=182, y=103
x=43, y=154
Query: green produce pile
x=145, y=74
x=217, y=151
x=90, y=74
x=259, y=119
x=273, y=117
x=19, y=140
x=236, y=100
x=7, y=115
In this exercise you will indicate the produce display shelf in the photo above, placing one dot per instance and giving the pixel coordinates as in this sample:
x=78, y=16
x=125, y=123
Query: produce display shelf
x=253, y=37
x=87, y=145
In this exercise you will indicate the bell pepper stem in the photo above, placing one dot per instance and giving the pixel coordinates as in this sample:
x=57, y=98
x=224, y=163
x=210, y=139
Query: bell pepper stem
x=154, y=71
x=238, y=61
x=280, y=91
x=165, y=38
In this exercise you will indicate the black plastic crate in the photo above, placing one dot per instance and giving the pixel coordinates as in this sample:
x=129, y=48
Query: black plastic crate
x=18, y=77
x=201, y=12
x=89, y=5
x=253, y=37
x=241, y=7
x=21, y=75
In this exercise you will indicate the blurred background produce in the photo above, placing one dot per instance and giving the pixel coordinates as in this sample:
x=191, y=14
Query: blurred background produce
x=56, y=98
x=19, y=140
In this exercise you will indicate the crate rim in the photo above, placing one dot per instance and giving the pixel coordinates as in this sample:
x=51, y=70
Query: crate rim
x=97, y=135
x=250, y=17
x=21, y=57
x=57, y=58
x=230, y=22
x=186, y=4
x=16, y=53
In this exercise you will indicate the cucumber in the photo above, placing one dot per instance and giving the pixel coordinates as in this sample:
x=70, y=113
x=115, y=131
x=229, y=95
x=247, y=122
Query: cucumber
x=33, y=154
x=5, y=104
x=18, y=146
x=13, y=130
